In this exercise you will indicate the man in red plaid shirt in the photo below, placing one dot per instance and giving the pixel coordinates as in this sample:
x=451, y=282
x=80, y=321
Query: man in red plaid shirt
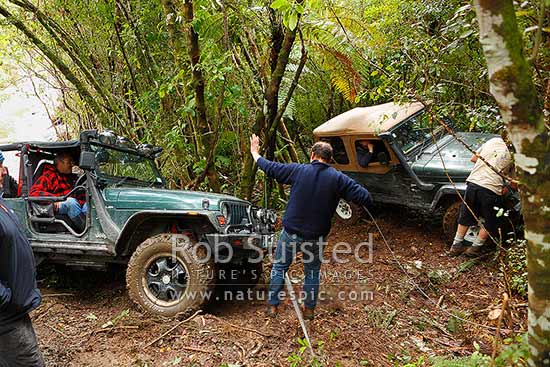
x=59, y=181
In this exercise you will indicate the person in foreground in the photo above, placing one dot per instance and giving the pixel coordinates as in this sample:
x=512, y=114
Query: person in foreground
x=483, y=197
x=18, y=295
x=315, y=191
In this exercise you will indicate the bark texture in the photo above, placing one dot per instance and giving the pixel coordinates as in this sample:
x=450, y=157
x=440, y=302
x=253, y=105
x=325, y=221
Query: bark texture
x=512, y=86
x=56, y=60
x=268, y=120
x=205, y=136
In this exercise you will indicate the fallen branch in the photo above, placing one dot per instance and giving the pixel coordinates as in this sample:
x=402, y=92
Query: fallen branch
x=254, y=351
x=57, y=331
x=57, y=295
x=240, y=327
x=115, y=328
x=440, y=300
x=496, y=341
x=198, y=350
x=44, y=313
x=172, y=329
x=104, y=330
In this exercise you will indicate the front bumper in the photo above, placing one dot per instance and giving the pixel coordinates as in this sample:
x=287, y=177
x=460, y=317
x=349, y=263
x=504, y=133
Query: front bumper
x=241, y=241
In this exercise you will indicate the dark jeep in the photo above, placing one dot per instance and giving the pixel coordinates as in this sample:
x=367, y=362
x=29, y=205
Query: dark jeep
x=414, y=165
x=172, y=241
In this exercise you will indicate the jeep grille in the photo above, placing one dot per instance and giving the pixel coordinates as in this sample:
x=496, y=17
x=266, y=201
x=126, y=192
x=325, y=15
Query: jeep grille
x=238, y=212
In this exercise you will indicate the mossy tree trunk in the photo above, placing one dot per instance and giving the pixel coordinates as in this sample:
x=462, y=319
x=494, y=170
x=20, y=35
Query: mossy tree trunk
x=207, y=143
x=513, y=88
x=56, y=60
x=268, y=120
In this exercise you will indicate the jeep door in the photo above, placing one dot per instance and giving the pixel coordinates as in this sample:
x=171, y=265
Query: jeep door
x=385, y=179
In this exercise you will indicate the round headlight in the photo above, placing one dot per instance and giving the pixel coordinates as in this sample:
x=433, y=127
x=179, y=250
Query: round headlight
x=225, y=210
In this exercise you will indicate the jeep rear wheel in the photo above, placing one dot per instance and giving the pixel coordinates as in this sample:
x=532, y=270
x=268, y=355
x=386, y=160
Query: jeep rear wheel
x=450, y=221
x=348, y=213
x=167, y=282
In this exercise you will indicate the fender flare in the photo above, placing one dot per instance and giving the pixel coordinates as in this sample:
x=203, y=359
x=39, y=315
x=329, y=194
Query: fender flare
x=122, y=243
x=450, y=189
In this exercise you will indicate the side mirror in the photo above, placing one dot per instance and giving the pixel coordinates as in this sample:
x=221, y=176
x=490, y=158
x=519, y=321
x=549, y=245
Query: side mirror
x=87, y=160
x=383, y=158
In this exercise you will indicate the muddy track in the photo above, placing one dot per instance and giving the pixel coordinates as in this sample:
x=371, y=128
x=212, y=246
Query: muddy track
x=95, y=323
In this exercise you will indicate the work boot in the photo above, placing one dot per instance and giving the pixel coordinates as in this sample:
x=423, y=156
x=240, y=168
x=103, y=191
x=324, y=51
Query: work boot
x=308, y=313
x=458, y=248
x=475, y=251
x=272, y=311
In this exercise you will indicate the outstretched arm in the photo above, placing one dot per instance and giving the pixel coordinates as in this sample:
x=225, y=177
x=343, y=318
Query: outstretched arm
x=283, y=173
x=255, y=147
x=352, y=191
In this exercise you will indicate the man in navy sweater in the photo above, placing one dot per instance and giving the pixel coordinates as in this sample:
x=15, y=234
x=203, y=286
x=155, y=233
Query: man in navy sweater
x=18, y=294
x=315, y=191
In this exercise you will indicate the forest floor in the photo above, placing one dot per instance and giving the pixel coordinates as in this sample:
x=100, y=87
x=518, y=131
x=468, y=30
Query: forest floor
x=92, y=322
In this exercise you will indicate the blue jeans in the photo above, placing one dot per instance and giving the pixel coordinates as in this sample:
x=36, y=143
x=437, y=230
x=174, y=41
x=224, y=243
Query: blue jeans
x=72, y=208
x=287, y=247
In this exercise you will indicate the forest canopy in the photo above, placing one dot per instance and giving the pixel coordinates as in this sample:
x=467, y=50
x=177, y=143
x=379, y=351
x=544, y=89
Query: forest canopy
x=198, y=77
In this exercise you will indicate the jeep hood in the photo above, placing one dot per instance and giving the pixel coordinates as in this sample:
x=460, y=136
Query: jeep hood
x=159, y=199
x=452, y=156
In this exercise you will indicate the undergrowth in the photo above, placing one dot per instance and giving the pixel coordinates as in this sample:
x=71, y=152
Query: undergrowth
x=514, y=354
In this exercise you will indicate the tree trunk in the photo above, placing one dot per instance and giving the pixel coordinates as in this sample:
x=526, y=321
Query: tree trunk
x=286, y=136
x=57, y=61
x=513, y=88
x=64, y=41
x=207, y=142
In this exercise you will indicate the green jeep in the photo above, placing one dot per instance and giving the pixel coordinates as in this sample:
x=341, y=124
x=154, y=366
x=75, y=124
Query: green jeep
x=412, y=165
x=173, y=242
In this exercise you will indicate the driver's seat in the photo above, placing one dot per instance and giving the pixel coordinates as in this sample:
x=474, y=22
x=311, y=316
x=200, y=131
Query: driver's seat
x=42, y=216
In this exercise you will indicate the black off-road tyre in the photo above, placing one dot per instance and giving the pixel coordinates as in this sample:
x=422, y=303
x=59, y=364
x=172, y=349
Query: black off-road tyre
x=450, y=221
x=348, y=213
x=200, y=275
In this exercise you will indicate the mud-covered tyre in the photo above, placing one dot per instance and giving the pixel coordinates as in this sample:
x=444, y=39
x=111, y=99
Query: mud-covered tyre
x=348, y=213
x=450, y=221
x=170, y=283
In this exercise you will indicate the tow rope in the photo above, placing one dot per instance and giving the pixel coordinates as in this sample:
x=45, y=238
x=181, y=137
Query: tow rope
x=298, y=312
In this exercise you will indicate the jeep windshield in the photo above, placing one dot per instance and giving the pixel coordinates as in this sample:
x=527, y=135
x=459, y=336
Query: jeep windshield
x=125, y=167
x=416, y=132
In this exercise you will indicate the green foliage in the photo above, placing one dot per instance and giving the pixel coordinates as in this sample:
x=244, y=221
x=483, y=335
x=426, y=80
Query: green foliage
x=379, y=318
x=359, y=53
x=404, y=359
x=513, y=354
x=291, y=10
x=456, y=321
x=465, y=266
x=439, y=276
x=514, y=265
x=301, y=358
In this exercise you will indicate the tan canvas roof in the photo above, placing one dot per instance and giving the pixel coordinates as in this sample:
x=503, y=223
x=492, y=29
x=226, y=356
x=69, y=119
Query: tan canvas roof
x=368, y=120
